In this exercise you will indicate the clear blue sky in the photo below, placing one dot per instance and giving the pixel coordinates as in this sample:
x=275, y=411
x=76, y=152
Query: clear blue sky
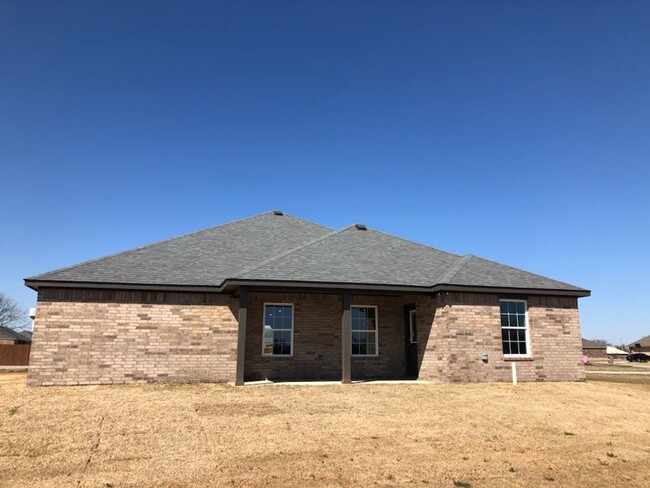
x=517, y=131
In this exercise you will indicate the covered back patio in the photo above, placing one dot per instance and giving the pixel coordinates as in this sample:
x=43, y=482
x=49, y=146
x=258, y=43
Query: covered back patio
x=326, y=335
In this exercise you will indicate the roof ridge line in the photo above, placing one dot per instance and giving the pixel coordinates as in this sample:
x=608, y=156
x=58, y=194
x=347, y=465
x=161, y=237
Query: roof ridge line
x=152, y=244
x=453, y=269
x=286, y=253
x=299, y=218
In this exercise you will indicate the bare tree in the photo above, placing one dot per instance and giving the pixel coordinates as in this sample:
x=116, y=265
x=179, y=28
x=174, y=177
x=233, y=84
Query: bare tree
x=602, y=342
x=12, y=315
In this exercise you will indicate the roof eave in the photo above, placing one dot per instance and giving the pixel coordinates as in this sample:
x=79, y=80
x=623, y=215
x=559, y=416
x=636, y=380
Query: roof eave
x=235, y=283
x=577, y=292
x=36, y=284
x=232, y=285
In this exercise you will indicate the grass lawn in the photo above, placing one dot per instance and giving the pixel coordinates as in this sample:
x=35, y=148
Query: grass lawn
x=617, y=366
x=481, y=435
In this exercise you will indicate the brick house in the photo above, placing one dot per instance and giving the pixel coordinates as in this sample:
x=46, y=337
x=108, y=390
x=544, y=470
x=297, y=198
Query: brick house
x=9, y=336
x=593, y=349
x=276, y=297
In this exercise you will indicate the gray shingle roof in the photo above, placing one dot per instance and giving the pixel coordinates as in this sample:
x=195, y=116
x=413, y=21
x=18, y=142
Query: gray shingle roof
x=26, y=333
x=271, y=247
x=7, y=333
x=357, y=256
x=203, y=258
x=481, y=272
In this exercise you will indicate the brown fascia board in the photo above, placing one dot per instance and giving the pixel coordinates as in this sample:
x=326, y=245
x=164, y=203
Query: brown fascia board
x=36, y=284
x=324, y=286
x=231, y=285
x=406, y=288
x=522, y=291
x=228, y=286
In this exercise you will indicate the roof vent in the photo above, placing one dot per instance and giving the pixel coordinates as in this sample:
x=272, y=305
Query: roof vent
x=277, y=212
x=360, y=227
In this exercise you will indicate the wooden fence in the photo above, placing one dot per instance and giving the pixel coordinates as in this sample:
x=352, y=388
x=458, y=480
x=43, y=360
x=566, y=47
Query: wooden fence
x=14, y=354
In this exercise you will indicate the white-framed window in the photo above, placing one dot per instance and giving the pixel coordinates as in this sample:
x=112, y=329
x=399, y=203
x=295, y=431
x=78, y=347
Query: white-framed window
x=515, y=335
x=277, y=337
x=413, y=329
x=364, y=330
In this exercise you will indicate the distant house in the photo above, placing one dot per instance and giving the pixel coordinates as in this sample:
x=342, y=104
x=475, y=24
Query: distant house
x=27, y=334
x=14, y=347
x=642, y=345
x=615, y=352
x=593, y=349
x=10, y=336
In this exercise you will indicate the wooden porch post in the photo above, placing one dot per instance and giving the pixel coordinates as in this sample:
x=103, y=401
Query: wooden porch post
x=241, y=336
x=346, y=339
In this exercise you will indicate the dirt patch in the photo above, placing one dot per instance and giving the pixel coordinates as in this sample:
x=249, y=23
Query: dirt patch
x=483, y=435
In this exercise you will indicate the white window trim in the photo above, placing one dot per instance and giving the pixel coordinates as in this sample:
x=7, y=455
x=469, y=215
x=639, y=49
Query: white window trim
x=376, y=354
x=274, y=304
x=411, y=315
x=528, y=350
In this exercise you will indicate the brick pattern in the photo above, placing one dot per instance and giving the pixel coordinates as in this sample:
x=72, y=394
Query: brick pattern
x=85, y=342
x=94, y=336
x=391, y=361
x=594, y=353
x=457, y=328
x=317, y=339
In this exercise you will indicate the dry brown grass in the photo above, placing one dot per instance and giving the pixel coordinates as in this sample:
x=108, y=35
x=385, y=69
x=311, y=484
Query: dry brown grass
x=618, y=366
x=581, y=434
x=621, y=378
